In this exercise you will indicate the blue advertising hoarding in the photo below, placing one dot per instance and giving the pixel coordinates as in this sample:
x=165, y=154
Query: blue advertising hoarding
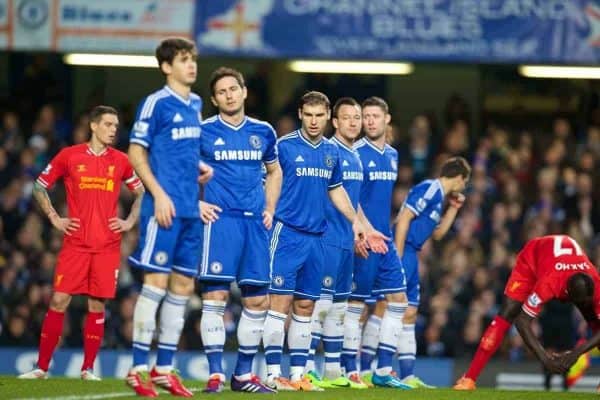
x=541, y=31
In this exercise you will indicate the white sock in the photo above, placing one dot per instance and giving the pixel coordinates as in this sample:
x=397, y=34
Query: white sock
x=249, y=334
x=171, y=324
x=352, y=330
x=391, y=327
x=370, y=337
x=212, y=330
x=298, y=343
x=273, y=337
x=318, y=317
x=144, y=322
x=333, y=337
x=407, y=345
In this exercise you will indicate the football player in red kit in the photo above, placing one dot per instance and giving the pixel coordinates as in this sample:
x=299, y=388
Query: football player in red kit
x=548, y=267
x=88, y=263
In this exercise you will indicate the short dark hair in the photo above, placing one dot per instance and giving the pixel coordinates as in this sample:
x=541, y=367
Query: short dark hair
x=455, y=166
x=222, y=72
x=314, y=98
x=168, y=49
x=98, y=111
x=376, y=101
x=344, y=101
x=580, y=287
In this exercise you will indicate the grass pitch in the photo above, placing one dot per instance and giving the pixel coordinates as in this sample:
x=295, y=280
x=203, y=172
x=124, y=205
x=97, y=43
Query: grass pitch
x=75, y=389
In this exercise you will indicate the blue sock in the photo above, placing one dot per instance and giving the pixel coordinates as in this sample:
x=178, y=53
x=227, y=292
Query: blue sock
x=214, y=355
x=244, y=361
x=367, y=355
x=407, y=367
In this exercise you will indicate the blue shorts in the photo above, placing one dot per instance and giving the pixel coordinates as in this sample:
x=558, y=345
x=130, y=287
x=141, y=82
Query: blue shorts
x=410, y=263
x=378, y=274
x=297, y=261
x=169, y=249
x=337, y=275
x=235, y=249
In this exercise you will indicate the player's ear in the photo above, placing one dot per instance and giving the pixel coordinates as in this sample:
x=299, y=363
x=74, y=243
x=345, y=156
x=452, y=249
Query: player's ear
x=166, y=68
x=328, y=115
x=245, y=92
x=388, y=118
x=300, y=113
x=214, y=101
x=334, y=122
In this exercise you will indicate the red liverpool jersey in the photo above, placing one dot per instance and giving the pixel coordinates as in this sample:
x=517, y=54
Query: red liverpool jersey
x=92, y=182
x=552, y=260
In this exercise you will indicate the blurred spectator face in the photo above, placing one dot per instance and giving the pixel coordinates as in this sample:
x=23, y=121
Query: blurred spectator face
x=392, y=134
x=34, y=295
x=3, y=159
x=18, y=260
x=420, y=127
x=10, y=121
x=285, y=125
x=562, y=128
x=457, y=140
x=46, y=120
x=555, y=154
x=80, y=135
x=584, y=184
x=547, y=179
x=16, y=326
x=229, y=96
x=587, y=161
x=375, y=121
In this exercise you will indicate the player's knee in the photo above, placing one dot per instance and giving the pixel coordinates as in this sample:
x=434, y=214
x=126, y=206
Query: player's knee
x=60, y=301
x=304, y=307
x=216, y=295
x=181, y=284
x=157, y=280
x=96, y=305
x=256, y=303
x=410, y=316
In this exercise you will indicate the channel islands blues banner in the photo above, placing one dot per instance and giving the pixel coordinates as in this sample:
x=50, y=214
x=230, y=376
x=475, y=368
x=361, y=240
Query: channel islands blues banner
x=544, y=31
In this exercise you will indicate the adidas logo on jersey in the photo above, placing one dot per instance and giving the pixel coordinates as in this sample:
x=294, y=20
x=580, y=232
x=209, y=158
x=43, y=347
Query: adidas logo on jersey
x=299, y=159
x=372, y=164
x=345, y=163
x=177, y=118
x=219, y=142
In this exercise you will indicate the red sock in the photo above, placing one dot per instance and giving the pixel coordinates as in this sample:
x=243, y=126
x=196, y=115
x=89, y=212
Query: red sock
x=490, y=341
x=93, y=333
x=51, y=331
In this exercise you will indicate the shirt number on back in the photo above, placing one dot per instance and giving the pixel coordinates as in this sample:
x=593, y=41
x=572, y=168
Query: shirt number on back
x=562, y=251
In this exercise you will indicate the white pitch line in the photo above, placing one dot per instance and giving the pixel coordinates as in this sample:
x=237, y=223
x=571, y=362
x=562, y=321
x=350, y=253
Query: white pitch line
x=92, y=396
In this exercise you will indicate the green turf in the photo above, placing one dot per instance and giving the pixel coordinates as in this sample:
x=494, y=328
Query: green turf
x=75, y=389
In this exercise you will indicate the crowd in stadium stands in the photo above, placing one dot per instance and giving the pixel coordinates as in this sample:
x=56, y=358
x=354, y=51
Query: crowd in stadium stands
x=524, y=184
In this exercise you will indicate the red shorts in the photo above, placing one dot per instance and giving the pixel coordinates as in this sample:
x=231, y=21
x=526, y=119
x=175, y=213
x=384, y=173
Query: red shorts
x=521, y=281
x=92, y=274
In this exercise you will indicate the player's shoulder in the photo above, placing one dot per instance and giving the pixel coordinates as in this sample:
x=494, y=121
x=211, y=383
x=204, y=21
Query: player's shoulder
x=432, y=189
x=211, y=121
x=262, y=126
x=360, y=144
x=330, y=145
x=289, y=138
x=118, y=154
x=153, y=101
x=390, y=150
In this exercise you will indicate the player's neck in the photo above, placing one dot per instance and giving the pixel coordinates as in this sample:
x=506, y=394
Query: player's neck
x=446, y=184
x=96, y=146
x=182, y=90
x=315, y=140
x=379, y=142
x=233, y=119
x=343, y=140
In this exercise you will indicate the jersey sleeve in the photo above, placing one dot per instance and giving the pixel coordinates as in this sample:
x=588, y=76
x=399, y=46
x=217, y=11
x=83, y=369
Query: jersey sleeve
x=130, y=178
x=336, y=173
x=144, y=127
x=56, y=168
x=415, y=201
x=271, y=152
x=540, y=295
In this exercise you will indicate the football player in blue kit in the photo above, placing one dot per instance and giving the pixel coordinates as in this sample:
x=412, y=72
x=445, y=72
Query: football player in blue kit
x=421, y=217
x=379, y=273
x=312, y=176
x=165, y=152
x=236, y=241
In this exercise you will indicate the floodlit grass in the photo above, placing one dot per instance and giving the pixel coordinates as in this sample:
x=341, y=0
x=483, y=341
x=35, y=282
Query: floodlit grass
x=75, y=389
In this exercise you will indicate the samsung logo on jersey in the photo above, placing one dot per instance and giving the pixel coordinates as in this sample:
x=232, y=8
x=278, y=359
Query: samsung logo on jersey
x=353, y=176
x=232, y=155
x=383, y=176
x=314, y=172
x=187, y=132
x=571, y=267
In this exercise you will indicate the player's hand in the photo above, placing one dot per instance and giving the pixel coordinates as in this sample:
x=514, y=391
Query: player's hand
x=567, y=358
x=456, y=200
x=360, y=241
x=206, y=173
x=554, y=365
x=164, y=210
x=119, y=225
x=267, y=219
x=376, y=241
x=65, y=225
x=209, y=212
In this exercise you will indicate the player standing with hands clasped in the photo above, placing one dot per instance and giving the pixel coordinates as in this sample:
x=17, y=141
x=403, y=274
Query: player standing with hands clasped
x=88, y=263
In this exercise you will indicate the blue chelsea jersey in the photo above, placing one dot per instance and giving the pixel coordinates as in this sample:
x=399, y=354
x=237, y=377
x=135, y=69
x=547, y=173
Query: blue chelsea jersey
x=339, y=229
x=309, y=172
x=168, y=126
x=380, y=171
x=425, y=200
x=237, y=154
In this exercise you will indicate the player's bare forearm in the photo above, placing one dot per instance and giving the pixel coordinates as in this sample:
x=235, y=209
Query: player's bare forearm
x=523, y=324
x=134, y=212
x=41, y=196
x=360, y=214
x=272, y=186
x=445, y=224
x=341, y=201
x=402, y=225
x=138, y=157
